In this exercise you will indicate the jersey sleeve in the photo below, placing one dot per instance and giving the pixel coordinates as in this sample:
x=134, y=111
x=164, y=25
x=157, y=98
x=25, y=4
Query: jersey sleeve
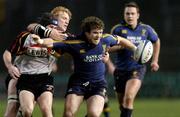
x=152, y=35
x=110, y=40
x=16, y=47
x=60, y=45
x=116, y=29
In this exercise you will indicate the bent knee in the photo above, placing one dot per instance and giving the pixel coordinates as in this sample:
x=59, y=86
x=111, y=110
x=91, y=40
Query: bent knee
x=68, y=114
x=128, y=99
x=94, y=113
x=27, y=111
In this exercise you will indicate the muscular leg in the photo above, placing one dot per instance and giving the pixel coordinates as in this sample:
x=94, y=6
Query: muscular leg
x=132, y=87
x=72, y=104
x=95, y=106
x=26, y=100
x=13, y=104
x=45, y=103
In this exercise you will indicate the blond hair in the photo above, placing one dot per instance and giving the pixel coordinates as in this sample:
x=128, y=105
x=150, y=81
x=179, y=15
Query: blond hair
x=56, y=10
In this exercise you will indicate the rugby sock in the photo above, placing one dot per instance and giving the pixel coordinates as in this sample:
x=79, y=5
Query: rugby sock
x=106, y=110
x=125, y=112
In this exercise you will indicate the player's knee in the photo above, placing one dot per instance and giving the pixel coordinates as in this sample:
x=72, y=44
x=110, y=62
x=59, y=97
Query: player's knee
x=128, y=99
x=46, y=110
x=27, y=111
x=7, y=114
x=12, y=109
x=68, y=114
x=94, y=113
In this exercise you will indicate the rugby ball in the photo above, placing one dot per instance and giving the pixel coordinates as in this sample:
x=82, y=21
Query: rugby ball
x=144, y=52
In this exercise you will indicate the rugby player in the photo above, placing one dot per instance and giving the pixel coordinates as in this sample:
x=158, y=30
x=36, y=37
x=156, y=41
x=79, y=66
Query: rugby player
x=63, y=16
x=129, y=74
x=87, y=49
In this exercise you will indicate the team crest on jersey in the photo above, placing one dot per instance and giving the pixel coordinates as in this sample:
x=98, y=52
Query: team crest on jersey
x=82, y=51
x=143, y=32
x=124, y=31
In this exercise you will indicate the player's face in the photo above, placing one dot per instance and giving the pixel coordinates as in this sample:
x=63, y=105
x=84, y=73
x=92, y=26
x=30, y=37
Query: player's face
x=131, y=16
x=94, y=36
x=63, y=21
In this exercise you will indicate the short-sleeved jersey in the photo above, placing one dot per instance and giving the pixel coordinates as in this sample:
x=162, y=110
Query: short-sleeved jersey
x=123, y=60
x=30, y=58
x=87, y=57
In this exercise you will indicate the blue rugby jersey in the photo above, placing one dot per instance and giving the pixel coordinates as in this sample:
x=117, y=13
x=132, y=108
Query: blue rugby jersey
x=123, y=60
x=87, y=57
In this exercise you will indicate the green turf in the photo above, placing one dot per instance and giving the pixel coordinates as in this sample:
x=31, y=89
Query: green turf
x=143, y=108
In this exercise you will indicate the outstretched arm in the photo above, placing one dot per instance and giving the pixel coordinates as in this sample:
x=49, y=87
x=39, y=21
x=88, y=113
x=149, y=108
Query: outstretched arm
x=46, y=42
x=126, y=44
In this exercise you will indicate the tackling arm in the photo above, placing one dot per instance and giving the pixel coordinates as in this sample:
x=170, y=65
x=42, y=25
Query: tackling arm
x=45, y=32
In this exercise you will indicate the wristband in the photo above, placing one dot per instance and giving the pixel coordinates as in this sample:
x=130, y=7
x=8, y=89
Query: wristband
x=41, y=31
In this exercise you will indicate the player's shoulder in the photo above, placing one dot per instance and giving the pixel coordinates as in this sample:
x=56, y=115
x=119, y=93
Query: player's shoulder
x=149, y=28
x=21, y=38
x=23, y=34
x=106, y=37
x=116, y=27
x=145, y=25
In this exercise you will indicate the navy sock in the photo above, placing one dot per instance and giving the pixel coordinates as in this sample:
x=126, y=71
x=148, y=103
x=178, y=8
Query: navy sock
x=106, y=110
x=125, y=112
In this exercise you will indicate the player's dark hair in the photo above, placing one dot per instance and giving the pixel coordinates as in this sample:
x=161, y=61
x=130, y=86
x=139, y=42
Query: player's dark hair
x=90, y=23
x=46, y=19
x=132, y=4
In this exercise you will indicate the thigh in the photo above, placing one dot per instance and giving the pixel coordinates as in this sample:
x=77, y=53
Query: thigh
x=12, y=87
x=45, y=100
x=26, y=99
x=95, y=105
x=73, y=102
x=132, y=87
x=134, y=83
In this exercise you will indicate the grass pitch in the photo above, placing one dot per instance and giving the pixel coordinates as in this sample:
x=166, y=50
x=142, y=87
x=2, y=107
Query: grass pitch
x=143, y=108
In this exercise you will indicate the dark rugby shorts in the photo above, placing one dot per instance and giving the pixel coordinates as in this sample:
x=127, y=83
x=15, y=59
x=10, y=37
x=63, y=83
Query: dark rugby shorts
x=121, y=77
x=37, y=84
x=86, y=87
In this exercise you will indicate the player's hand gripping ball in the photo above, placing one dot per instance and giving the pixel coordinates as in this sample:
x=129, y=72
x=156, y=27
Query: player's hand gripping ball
x=143, y=52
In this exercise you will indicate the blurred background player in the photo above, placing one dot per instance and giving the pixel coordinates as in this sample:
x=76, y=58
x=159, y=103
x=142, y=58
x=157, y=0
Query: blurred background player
x=129, y=74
